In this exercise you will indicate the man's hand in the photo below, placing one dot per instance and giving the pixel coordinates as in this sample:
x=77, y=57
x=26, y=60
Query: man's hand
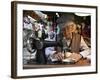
x=75, y=56
x=59, y=56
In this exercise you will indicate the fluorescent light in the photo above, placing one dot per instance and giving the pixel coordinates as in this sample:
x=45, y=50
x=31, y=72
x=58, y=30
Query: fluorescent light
x=40, y=14
x=82, y=14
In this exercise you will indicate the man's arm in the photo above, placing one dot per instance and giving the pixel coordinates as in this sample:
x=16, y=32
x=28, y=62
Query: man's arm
x=85, y=49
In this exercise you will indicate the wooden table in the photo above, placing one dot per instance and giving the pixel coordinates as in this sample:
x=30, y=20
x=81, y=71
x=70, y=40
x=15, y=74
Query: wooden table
x=82, y=62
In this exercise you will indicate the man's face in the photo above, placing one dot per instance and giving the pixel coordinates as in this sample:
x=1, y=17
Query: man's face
x=71, y=27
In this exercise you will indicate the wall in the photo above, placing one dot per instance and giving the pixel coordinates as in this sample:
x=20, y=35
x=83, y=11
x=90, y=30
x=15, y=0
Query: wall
x=5, y=40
